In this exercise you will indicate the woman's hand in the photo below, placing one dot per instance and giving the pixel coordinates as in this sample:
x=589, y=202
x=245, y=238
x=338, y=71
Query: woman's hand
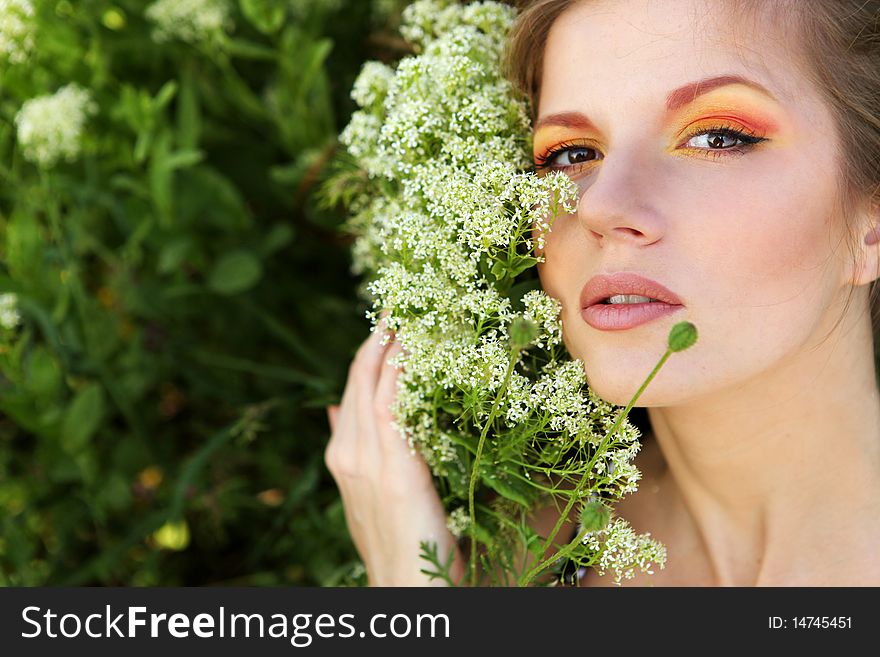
x=388, y=493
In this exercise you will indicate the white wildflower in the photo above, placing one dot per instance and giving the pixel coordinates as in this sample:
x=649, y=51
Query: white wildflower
x=425, y=20
x=558, y=393
x=17, y=27
x=361, y=136
x=451, y=218
x=9, y=315
x=188, y=20
x=458, y=522
x=372, y=84
x=544, y=311
x=50, y=127
x=622, y=550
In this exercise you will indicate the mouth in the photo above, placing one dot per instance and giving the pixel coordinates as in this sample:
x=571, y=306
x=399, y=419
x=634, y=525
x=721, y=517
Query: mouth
x=620, y=299
x=625, y=300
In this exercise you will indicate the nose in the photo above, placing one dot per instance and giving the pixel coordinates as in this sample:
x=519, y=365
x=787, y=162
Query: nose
x=618, y=201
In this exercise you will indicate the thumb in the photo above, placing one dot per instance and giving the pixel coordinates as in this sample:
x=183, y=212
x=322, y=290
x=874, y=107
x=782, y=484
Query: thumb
x=332, y=415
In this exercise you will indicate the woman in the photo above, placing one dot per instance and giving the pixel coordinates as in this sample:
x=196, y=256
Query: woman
x=728, y=157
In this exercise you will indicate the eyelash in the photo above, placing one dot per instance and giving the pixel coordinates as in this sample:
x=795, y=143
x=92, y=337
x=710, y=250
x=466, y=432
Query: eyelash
x=749, y=140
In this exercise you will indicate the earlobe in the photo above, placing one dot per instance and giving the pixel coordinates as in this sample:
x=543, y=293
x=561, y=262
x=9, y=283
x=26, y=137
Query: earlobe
x=869, y=267
x=873, y=236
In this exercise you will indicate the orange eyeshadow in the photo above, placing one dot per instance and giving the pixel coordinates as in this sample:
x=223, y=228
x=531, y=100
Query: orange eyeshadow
x=743, y=107
x=547, y=138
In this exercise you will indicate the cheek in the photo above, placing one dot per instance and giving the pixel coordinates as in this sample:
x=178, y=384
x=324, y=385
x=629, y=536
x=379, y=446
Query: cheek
x=564, y=263
x=564, y=272
x=773, y=243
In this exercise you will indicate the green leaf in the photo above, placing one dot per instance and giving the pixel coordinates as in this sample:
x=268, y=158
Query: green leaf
x=482, y=534
x=43, y=373
x=189, y=118
x=519, y=265
x=166, y=93
x=507, y=487
x=183, y=159
x=265, y=15
x=279, y=237
x=211, y=199
x=450, y=406
x=160, y=178
x=82, y=418
x=458, y=483
x=249, y=50
x=467, y=441
x=24, y=246
x=235, y=272
x=173, y=254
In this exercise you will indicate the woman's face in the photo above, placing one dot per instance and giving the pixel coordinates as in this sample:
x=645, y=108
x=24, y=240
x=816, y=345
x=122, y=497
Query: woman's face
x=746, y=235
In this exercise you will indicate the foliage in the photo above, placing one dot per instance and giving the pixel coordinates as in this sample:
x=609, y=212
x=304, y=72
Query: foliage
x=177, y=309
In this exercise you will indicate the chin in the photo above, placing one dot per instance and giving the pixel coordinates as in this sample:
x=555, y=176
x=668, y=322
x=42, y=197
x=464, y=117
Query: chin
x=613, y=376
x=617, y=385
x=615, y=392
x=620, y=395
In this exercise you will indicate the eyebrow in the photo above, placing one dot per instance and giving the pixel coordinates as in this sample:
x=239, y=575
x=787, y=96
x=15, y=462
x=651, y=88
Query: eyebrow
x=689, y=92
x=675, y=100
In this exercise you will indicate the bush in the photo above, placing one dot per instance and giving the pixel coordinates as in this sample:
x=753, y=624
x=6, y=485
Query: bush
x=176, y=308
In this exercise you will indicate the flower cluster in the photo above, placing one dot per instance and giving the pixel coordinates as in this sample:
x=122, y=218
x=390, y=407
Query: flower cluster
x=9, y=315
x=449, y=225
x=16, y=30
x=188, y=20
x=50, y=127
x=457, y=522
x=621, y=550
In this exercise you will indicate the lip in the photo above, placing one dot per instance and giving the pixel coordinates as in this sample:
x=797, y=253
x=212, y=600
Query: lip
x=614, y=317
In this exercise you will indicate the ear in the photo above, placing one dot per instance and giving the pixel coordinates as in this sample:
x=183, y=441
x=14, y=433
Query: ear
x=868, y=268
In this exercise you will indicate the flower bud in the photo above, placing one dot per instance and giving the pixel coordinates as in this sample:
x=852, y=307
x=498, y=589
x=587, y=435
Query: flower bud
x=595, y=515
x=682, y=336
x=523, y=332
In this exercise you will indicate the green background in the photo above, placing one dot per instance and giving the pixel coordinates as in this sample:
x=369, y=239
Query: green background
x=186, y=301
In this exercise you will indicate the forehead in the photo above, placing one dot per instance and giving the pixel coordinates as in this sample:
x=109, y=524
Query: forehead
x=619, y=55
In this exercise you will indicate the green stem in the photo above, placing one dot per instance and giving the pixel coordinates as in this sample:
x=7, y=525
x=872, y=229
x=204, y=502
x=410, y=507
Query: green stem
x=576, y=494
x=475, y=468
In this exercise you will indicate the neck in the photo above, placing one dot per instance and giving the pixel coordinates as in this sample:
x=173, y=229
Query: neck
x=771, y=476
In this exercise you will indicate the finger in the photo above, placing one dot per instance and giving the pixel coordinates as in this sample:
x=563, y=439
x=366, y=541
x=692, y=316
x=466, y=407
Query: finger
x=333, y=416
x=364, y=395
x=368, y=360
x=386, y=387
x=388, y=334
x=405, y=471
x=386, y=394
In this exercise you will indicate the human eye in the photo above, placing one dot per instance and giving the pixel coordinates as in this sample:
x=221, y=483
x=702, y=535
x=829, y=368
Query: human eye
x=721, y=140
x=569, y=157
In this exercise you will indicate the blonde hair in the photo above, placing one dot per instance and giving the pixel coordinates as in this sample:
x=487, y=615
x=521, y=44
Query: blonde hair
x=839, y=53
